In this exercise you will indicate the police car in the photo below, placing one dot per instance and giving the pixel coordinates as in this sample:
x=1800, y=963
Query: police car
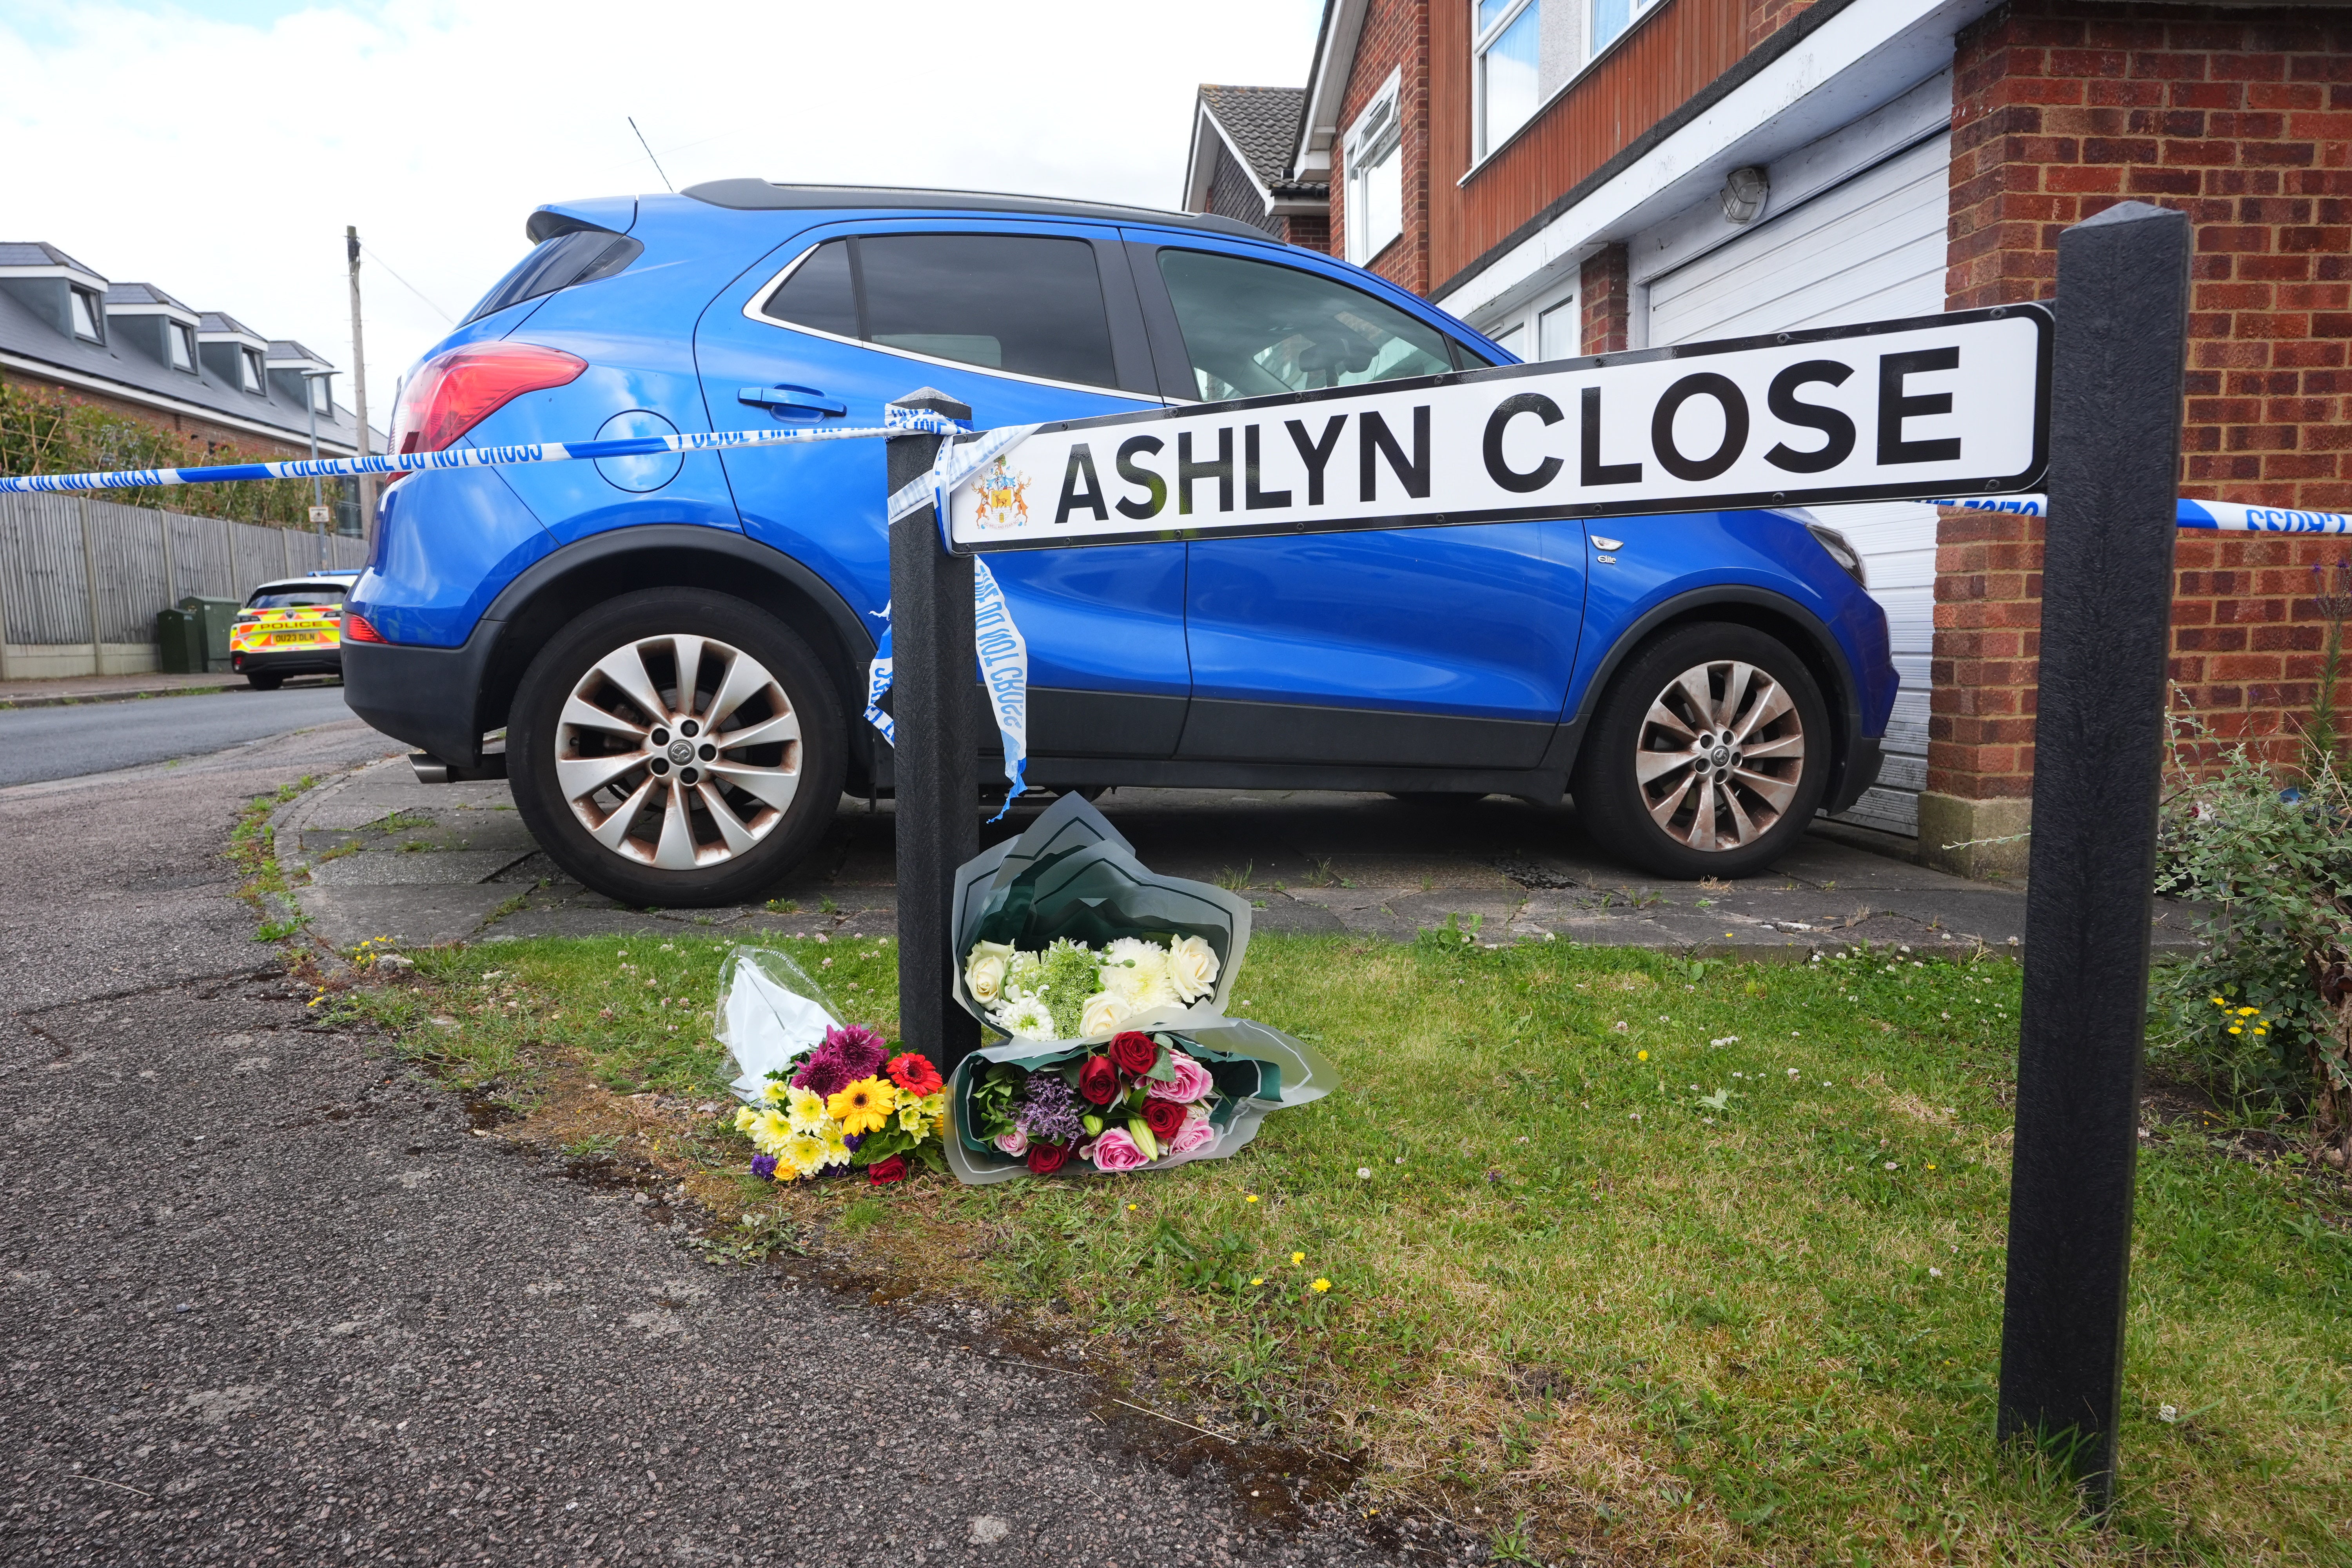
x=677, y=645
x=293, y=626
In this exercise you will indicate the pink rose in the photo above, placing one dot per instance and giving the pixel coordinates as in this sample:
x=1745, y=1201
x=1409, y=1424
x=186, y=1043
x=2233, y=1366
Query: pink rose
x=1191, y=1080
x=1015, y=1143
x=1195, y=1133
x=1115, y=1151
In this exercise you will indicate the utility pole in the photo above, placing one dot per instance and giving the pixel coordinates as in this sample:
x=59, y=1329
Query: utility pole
x=359, y=382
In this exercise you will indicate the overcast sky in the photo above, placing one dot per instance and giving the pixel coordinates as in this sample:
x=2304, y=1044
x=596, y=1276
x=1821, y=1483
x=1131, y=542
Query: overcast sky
x=217, y=148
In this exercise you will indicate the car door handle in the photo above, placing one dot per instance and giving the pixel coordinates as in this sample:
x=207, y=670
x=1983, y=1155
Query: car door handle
x=792, y=400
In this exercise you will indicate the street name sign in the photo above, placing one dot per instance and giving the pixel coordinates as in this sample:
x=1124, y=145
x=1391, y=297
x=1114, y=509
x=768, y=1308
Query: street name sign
x=1937, y=405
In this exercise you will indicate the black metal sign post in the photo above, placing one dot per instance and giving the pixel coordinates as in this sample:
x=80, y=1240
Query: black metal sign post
x=935, y=765
x=2106, y=607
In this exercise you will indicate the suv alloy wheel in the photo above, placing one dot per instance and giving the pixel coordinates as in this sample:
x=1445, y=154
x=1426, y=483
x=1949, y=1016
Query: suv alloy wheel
x=1707, y=754
x=677, y=747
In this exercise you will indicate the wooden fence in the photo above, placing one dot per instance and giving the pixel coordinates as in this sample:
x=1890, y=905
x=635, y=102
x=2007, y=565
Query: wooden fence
x=81, y=579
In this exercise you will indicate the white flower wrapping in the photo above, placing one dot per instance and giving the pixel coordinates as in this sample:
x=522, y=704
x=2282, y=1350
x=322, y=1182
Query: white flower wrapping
x=1098, y=992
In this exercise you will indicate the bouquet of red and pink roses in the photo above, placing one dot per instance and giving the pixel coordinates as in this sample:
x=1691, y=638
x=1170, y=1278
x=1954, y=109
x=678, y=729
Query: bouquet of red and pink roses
x=1141, y=1101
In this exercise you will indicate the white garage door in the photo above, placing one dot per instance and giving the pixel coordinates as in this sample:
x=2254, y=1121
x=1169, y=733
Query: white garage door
x=1868, y=249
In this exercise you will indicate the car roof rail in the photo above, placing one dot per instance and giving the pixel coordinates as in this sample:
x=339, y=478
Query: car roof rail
x=751, y=196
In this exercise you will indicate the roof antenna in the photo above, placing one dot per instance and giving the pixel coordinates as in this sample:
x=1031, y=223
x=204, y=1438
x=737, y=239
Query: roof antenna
x=649, y=153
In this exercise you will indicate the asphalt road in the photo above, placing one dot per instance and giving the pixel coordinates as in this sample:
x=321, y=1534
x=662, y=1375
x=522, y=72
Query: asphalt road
x=37, y=743
x=264, y=1296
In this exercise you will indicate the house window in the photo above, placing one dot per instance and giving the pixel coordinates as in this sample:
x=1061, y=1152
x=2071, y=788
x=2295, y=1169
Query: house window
x=1556, y=332
x=184, y=345
x=85, y=315
x=1510, y=339
x=322, y=397
x=250, y=359
x=1375, y=161
x=1505, y=51
x=1611, y=18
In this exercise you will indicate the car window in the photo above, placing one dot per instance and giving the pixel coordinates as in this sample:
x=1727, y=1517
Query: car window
x=1254, y=329
x=290, y=598
x=1029, y=304
x=583, y=256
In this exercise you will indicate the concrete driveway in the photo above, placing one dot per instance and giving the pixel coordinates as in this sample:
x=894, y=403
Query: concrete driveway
x=388, y=856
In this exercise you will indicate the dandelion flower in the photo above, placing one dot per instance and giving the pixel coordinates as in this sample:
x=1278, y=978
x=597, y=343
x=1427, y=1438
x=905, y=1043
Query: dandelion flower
x=1249, y=1197
x=1296, y=1259
x=1641, y=1056
x=1321, y=1285
x=1363, y=1172
x=1259, y=1281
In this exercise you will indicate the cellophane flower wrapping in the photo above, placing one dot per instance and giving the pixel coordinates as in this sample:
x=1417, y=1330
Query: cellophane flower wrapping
x=1102, y=985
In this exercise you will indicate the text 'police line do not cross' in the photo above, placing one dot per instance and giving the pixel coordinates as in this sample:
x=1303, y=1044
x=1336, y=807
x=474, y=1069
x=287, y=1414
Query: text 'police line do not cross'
x=1938, y=405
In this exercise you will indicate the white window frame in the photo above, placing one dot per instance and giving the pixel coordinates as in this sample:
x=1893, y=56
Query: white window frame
x=1482, y=144
x=322, y=395
x=82, y=306
x=183, y=341
x=253, y=375
x=1595, y=47
x=1375, y=139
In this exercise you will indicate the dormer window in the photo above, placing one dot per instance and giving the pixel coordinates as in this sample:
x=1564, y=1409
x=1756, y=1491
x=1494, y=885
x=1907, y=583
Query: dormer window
x=182, y=340
x=321, y=398
x=85, y=315
x=250, y=359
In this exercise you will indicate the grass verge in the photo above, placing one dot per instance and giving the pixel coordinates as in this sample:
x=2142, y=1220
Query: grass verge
x=1663, y=1260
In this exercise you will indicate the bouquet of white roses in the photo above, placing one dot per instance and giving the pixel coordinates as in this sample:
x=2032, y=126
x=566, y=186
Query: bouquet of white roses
x=1072, y=991
x=1084, y=959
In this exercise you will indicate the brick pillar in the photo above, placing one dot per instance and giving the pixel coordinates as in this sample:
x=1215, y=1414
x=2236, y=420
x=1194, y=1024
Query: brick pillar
x=1607, y=296
x=2061, y=108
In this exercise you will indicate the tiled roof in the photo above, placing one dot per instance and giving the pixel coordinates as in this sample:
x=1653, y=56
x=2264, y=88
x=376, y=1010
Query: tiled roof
x=128, y=369
x=140, y=294
x=37, y=253
x=287, y=348
x=1263, y=123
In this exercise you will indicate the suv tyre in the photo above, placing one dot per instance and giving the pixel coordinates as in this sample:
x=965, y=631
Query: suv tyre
x=677, y=747
x=1707, y=754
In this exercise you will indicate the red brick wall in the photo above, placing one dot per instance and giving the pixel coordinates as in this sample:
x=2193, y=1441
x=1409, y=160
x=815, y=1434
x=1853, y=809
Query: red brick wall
x=1395, y=38
x=2242, y=119
x=1766, y=17
x=1310, y=233
x=214, y=436
x=1604, y=300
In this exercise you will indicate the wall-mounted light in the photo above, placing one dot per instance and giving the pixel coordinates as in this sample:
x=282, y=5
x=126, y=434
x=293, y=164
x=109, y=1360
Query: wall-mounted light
x=1743, y=194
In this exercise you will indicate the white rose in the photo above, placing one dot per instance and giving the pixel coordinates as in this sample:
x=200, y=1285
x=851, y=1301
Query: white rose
x=1192, y=968
x=984, y=972
x=1102, y=1015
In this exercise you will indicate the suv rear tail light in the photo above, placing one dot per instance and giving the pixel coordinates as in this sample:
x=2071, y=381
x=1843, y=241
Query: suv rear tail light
x=356, y=628
x=452, y=393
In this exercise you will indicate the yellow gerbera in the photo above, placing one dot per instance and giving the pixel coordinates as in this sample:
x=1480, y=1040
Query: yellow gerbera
x=865, y=1106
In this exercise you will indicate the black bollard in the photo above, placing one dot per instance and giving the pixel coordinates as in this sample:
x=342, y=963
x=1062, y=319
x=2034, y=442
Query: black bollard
x=2106, y=611
x=937, y=756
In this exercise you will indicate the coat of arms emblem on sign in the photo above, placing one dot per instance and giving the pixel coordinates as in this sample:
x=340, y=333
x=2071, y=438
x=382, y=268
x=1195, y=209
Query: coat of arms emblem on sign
x=1004, y=498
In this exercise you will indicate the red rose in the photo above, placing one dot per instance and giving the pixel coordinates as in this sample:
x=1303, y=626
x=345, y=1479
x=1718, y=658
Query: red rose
x=915, y=1074
x=1045, y=1159
x=1098, y=1081
x=1163, y=1117
x=882, y=1172
x=1134, y=1052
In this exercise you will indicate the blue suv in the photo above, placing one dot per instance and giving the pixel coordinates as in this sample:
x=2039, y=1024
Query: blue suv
x=676, y=646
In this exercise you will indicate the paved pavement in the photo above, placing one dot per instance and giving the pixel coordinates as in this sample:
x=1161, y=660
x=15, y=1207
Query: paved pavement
x=50, y=691
x=267, y=1298
x=99, y=736
x=431, y=863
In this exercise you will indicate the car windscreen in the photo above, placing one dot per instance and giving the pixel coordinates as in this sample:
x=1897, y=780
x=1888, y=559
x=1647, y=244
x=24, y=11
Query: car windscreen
x=292, y=598
x=1029, y=304
x=583, y=256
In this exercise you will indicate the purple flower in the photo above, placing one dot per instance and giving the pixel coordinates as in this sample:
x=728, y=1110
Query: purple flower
x=854, y=1139
x=1050, y=1110
x=847, y=1055
x=764, y=1167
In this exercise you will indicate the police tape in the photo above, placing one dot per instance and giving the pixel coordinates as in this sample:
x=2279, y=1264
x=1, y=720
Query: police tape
x=1004, y=671
x=2225, y=516
x=895, y=422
